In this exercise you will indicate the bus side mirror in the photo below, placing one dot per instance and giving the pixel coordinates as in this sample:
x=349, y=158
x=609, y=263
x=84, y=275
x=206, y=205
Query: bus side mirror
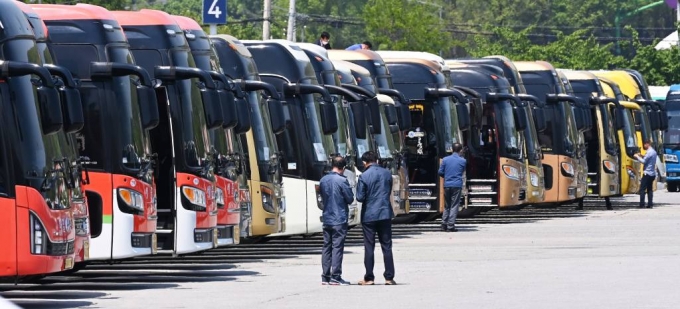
x=359, y=115
x=242, y=113
x=520, y=118
x=404, y=117
x=211, y=108
x=229, y=113
x=374, y=115
x=74, y=118
x=539, y=120
x=391, y=115
x=276, y=115
x=664, y=120
x=619, y=123
x=329, y=118
x=580, y=120
x=463, y=116
x=52, y=119
x=148, y=107
x=654, y=120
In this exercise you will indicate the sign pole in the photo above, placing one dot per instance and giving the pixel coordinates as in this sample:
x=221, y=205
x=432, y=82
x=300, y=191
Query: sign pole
x=213, y=29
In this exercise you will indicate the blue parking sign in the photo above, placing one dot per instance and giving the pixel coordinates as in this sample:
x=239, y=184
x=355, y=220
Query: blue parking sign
x=215, y=12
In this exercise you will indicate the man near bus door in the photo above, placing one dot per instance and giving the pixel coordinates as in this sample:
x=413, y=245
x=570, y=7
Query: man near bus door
x=649, y=174
x=337, y=195
x=373, y=190
x=452, y=170
x=324, y=40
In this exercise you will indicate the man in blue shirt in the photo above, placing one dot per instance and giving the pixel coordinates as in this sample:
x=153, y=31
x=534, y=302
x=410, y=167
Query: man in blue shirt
x=337, y=195
x=649, y=174
x=452, y=170
x=373, y=190
x=364, y=45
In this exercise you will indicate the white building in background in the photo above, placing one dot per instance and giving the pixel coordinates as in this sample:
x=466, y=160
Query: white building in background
x=668, y=42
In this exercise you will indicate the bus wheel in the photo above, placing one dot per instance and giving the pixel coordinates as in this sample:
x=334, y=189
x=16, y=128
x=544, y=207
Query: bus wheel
x=405, y=219
x=672, y=187
x=469, y=212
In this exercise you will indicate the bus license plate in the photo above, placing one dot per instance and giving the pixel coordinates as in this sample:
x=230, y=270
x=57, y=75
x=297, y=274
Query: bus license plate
x=154, y=243
x=86, y=250
x=68, y=263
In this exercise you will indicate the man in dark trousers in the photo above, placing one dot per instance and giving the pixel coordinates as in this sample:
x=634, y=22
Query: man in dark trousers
x=648, y=175
x=373, y=190
x=324, y=40
x=337, y=195
x=452, y=170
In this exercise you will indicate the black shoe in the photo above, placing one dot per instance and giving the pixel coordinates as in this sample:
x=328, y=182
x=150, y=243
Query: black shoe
x=444, y=227
x=339, y=281
x=325, y=280
x=452, y=230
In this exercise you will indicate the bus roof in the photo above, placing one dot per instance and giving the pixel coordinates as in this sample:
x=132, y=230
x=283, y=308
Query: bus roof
x=339, y=54
x=79, y=11
x=144, y=18
x=186, y=23
x=234, y=44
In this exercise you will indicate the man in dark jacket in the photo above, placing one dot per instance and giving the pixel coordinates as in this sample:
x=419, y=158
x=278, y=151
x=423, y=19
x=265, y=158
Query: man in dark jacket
x=373, y=190
x=337, y=195
x=324, y=40
x=452, y=170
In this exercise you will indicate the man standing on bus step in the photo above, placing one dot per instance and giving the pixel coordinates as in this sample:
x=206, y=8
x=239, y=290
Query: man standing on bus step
x=649, y=174
x=452, y=170
x=373, y=190
x=337, y=195
x=324, y=40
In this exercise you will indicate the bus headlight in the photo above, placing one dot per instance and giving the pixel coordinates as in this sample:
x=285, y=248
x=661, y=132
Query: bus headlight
x=38, y=243
x=131, y=199
x=267, y=200
x=567, y=169
x=219, y=197
x=319, y=197
x=533, y=177
x=195, y=196
x=511, y=171
x=609, y=166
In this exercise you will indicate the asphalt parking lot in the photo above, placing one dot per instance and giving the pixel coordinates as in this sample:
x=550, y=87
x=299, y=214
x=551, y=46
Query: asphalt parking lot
x=534, y=258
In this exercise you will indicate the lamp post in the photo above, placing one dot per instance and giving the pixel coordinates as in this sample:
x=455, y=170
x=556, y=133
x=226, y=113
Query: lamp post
x=620, y=16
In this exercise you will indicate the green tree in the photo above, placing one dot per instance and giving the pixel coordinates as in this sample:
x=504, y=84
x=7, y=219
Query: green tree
x=405, y=25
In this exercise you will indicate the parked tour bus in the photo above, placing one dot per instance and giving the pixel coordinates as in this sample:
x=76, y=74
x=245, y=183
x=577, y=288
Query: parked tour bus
x=388, y=143
x=223, y=139
x=627, y=138
x=38, y=167
x=88, y=41
x=671, y=140
x=262, y=213
x=493, y=127
x=502, y=66
x=437, y=122
x=185, y=181
x=307, y=142
x=602, y=140
x=69, y=89
x=352, y=122
x=559, y=140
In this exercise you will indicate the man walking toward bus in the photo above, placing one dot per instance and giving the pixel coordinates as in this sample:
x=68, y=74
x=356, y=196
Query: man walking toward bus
x=373, y=190
x=452, y=170
x=649, y=174
x=337, y=195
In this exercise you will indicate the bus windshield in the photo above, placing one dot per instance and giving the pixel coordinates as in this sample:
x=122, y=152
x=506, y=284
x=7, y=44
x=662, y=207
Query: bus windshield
x=448, y=122
x=261, y=128
x=629, y=133
x=572, y=133
x=509, y=137
x=193, y=126
x=323, y=144
x=607, y=125
x=340, y=137
x=645, y=128
x=672, y=136
x=385, y=141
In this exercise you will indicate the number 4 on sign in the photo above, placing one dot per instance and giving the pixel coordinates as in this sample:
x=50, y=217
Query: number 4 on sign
x=214, y=9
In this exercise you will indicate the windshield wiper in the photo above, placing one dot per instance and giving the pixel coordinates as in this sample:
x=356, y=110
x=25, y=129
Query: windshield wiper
x=147, y=165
